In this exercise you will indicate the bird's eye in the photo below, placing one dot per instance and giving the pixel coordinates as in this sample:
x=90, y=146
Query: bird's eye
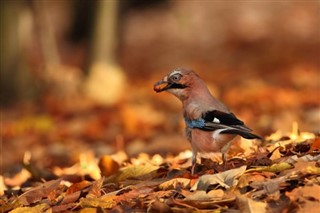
x=176, y=77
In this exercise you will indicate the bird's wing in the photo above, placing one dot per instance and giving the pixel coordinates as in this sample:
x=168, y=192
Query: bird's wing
x=228, y=123
x=221, y=117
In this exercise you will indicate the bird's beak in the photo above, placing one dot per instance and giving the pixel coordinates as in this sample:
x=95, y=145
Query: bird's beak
x=158, y=86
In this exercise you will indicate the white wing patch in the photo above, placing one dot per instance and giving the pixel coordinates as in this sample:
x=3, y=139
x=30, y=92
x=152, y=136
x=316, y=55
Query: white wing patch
x=215, y=134
x=216, y=120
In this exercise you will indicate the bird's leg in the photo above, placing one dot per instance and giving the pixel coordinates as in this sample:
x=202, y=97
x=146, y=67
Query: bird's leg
x=224, y=152
x=194, y=162
x=224, y=161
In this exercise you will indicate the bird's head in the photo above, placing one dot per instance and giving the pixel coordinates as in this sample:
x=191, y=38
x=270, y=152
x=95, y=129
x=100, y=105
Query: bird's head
x=178, y=82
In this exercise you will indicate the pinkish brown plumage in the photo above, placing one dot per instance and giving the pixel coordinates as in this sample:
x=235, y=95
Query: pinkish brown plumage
x=210, y=126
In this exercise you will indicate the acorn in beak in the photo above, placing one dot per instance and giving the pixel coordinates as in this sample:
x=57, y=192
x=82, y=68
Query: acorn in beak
x=162, y=85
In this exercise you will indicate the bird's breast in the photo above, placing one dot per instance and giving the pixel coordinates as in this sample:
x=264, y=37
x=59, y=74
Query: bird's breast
x=209, y=141
x=202, y=141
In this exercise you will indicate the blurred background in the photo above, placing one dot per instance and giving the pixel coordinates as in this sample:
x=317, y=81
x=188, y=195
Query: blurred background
x=77, y=75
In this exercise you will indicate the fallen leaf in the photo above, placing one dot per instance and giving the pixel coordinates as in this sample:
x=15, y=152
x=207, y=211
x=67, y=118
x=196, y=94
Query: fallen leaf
x=70, y=198
x=250, y=206
x=312, y=170
x=2, y=186
x=78, y=186
x=175, y=183
x=202, y=200
x=309, y=206
x=303, y=167
x=132, y=172
x=277, y=167
x=36, y=194
x=43, y=207
x=88, y=210
x=276, y=154
x=158, y=206
x=108, y=166
x=88, y=165
x=95, y=190
x=302, y=147
x=307, y=192
x=102, y=202
x=315, y=146
x=225, y=179
x=63, y=207
x=248, y=178
x=134, y=193
x=202, y=195
x=270, y=187
x=18, y=179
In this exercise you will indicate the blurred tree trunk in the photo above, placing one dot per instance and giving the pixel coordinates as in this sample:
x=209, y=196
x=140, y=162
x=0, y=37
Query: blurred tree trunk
x=58, y=79
x=16, y=83
x=106, y=80
x=105, y=32
x=46, y=33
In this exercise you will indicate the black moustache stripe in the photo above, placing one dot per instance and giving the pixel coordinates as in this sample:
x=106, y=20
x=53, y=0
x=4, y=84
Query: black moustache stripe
x=177, y=86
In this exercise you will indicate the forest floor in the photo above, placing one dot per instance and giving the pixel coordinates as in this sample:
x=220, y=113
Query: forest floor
x=76, y=155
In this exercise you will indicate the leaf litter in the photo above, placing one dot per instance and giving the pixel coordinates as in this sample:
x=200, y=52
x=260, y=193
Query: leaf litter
x=148, y=183
x=281, y=174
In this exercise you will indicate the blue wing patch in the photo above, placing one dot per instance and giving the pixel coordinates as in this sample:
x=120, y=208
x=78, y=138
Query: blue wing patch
x=197, y=123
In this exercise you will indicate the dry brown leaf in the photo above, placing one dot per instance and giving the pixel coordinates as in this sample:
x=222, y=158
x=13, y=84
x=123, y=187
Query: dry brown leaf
x=18, y=179
x=132, y=172
x=248, y=178
x=2, y=186
x=175, y=183
x=134, y=193
x=78, y=186
x=225, y=179
x=43, y=207
x=63, y=207
x=95, y=190
x=313, y=170
x=70, y=198
x=303, y=167
x=197, y=195
x=158, y=206
x=268, y=187
x=5, y=206
x=88, y=210
x=36, y=194
x=102, y=202
x=213, y=195
x=250, y=206
x=315, y=146
x=203, y=200
x=163, y=194
x=309, y=206
x=277, y=167
x=275, y=154
x=120, y=156
x=307, y=192
x=108, y=166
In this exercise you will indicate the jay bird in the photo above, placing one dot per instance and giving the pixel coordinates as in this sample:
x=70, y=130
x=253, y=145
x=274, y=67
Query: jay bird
x=210, y=126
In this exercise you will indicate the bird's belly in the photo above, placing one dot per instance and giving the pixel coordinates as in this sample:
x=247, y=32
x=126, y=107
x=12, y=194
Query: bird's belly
x=208, y=141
